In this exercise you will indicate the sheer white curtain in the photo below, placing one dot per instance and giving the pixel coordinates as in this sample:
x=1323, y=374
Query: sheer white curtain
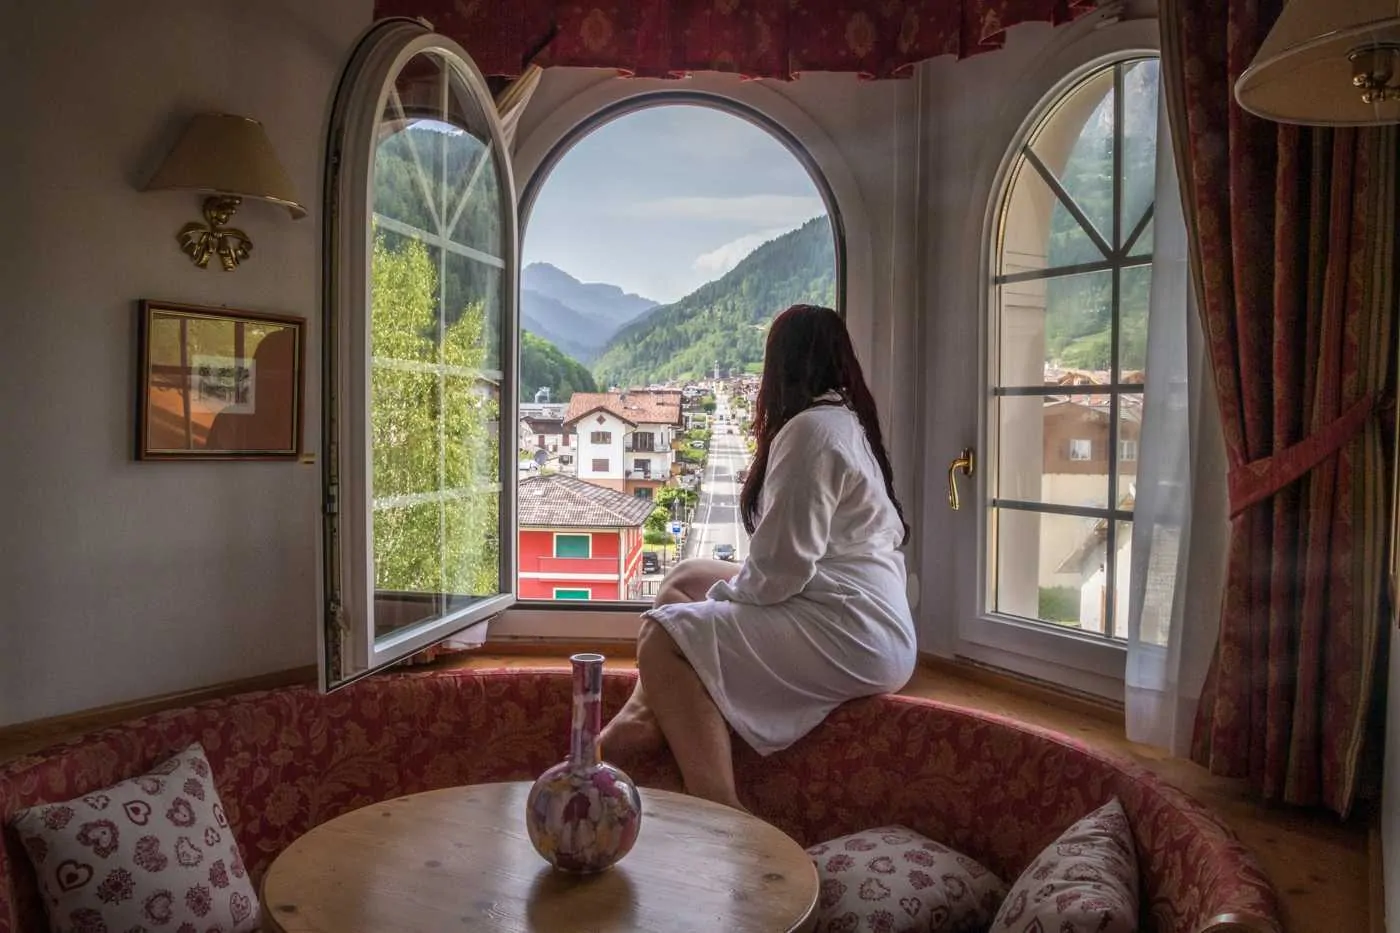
x=1180, y=525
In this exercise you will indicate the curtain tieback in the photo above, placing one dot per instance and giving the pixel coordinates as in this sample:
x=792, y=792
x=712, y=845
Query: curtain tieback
x=1260, y=479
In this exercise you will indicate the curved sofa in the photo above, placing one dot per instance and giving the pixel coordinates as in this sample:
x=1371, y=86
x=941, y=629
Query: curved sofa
x=288, y=759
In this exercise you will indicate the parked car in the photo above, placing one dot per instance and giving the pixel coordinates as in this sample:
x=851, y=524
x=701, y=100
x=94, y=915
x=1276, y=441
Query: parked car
x=724, y=552
x=651, y=563
x=698, y=445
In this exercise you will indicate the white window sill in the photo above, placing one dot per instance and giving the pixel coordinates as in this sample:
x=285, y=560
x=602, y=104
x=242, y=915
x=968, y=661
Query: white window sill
x=612, y=622
x=1086, y=663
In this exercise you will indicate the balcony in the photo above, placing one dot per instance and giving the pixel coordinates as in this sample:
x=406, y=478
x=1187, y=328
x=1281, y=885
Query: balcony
x=606, y=565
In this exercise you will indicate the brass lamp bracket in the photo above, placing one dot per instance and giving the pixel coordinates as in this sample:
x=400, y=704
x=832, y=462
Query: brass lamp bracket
x=201, y=241
x=1373, y=68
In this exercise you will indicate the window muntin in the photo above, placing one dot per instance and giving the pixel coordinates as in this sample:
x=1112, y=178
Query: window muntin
x=420, y=325
x=1071, y=286
x=573, y=546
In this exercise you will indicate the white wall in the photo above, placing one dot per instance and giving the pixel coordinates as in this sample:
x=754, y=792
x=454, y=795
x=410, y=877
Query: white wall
x=612, y=452
x=121, y=579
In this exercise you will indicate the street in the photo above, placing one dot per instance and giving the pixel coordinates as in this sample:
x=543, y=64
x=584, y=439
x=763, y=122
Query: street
x=717, y=516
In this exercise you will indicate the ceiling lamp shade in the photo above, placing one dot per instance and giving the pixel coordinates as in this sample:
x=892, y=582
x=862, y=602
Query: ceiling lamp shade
x=1327, y=63
x=229, y=155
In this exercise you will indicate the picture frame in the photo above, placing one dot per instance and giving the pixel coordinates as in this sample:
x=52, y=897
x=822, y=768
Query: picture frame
x=218, y=383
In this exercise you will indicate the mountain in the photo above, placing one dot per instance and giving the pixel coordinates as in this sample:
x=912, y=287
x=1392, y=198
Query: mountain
x=542, y=364
x=592, y=299
x=578, y=317
x=579, y=336
x=725, y=321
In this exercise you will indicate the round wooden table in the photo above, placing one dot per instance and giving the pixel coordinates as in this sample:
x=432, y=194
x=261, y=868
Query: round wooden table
x=460, y=859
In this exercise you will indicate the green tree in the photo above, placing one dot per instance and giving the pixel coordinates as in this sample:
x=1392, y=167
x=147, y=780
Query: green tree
x=658, y=522
x=435, y=457
x=543, y=365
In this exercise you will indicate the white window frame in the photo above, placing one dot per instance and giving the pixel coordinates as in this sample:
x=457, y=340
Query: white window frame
x=600, y=437
x=1088, y=663
x=1128, y=450
x=348, y=646
x=1081, y=449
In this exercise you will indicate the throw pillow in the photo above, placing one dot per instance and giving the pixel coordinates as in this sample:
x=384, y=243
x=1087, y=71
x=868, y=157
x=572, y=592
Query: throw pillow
x=151, y=853
x=1086, y=881
x=893, y=880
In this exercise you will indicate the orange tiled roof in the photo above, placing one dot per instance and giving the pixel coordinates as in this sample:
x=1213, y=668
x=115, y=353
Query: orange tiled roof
x=557, y=501
x=635, y=406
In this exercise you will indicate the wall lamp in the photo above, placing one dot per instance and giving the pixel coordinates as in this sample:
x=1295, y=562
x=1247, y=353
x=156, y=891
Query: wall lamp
x=1327, y=63
x=231, y=158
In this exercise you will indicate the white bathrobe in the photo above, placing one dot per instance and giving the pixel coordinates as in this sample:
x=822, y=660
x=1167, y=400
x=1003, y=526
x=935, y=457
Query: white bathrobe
x=817, y=614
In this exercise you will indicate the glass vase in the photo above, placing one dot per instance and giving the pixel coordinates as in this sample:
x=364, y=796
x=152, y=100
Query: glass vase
x=583, y=814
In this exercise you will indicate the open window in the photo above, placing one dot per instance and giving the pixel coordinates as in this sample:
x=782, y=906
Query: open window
x=420, y=353
x=663, y=234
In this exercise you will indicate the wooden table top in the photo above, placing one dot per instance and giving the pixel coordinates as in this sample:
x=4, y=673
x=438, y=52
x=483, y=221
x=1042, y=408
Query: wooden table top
x=460, y=859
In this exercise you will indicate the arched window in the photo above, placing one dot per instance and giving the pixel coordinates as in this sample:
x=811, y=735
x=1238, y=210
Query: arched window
x=1072, y=280
x=419, y=349
x=660, y=238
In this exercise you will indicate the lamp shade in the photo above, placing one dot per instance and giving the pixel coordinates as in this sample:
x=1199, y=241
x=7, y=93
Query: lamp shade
x=1302, y=73
x=225, y=154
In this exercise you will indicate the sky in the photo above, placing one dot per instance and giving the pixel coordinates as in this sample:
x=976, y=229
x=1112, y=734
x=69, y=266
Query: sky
x=663, y=200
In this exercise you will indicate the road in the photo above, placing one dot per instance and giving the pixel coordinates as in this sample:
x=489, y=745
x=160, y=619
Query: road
x=716, y=519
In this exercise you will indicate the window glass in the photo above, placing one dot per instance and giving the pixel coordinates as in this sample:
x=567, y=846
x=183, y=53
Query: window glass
x=1069, y=357
x=421, y=313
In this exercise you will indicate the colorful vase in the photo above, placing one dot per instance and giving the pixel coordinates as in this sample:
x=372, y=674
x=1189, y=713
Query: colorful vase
x=583, y=814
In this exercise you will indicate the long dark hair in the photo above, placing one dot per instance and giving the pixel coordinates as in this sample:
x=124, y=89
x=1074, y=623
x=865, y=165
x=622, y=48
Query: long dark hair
x=809, y=354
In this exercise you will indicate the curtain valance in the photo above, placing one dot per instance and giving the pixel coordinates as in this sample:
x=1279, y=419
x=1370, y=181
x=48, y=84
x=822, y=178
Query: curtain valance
x=755, y=38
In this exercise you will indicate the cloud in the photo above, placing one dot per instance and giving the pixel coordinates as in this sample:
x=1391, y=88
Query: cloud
x=720, y=260
x=767, y=210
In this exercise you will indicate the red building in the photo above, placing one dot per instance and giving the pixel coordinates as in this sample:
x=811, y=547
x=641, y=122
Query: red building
x=578, y=540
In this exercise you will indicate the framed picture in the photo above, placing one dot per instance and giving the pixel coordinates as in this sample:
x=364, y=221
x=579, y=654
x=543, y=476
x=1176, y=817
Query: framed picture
x=218, y=384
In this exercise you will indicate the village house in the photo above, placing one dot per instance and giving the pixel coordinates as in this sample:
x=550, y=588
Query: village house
x=579, y=540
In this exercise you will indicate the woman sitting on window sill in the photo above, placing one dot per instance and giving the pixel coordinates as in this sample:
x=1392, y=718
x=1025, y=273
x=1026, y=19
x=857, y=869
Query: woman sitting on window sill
x=817, y=614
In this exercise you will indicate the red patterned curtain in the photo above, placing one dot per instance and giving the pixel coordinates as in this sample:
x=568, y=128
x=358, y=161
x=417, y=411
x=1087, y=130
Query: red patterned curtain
x=755, y=38
x=1293, y=236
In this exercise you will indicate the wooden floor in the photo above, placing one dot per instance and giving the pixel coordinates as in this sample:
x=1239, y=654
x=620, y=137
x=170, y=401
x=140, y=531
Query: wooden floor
x=1319, y=866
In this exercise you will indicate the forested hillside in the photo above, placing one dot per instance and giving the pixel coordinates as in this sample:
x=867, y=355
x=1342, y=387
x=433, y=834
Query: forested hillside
x=725, y=321
x=578, y=317
x=543, y=365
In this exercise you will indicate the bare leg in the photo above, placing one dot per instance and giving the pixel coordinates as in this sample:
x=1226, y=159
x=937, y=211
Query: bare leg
x=634, y=730
x=689, y=720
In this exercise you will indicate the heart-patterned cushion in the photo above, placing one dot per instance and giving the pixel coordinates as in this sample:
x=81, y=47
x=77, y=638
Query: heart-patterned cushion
x=154, y=853
x=893, y=880
x=1086, y=881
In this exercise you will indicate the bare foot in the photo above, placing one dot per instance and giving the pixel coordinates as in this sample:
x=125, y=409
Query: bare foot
x=629, y=736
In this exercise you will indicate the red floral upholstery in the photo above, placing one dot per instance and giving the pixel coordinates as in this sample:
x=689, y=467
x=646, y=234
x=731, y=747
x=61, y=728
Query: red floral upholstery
x=286, y=760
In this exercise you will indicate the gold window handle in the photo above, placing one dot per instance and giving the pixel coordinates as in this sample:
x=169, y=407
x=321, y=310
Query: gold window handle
x=965, y=464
